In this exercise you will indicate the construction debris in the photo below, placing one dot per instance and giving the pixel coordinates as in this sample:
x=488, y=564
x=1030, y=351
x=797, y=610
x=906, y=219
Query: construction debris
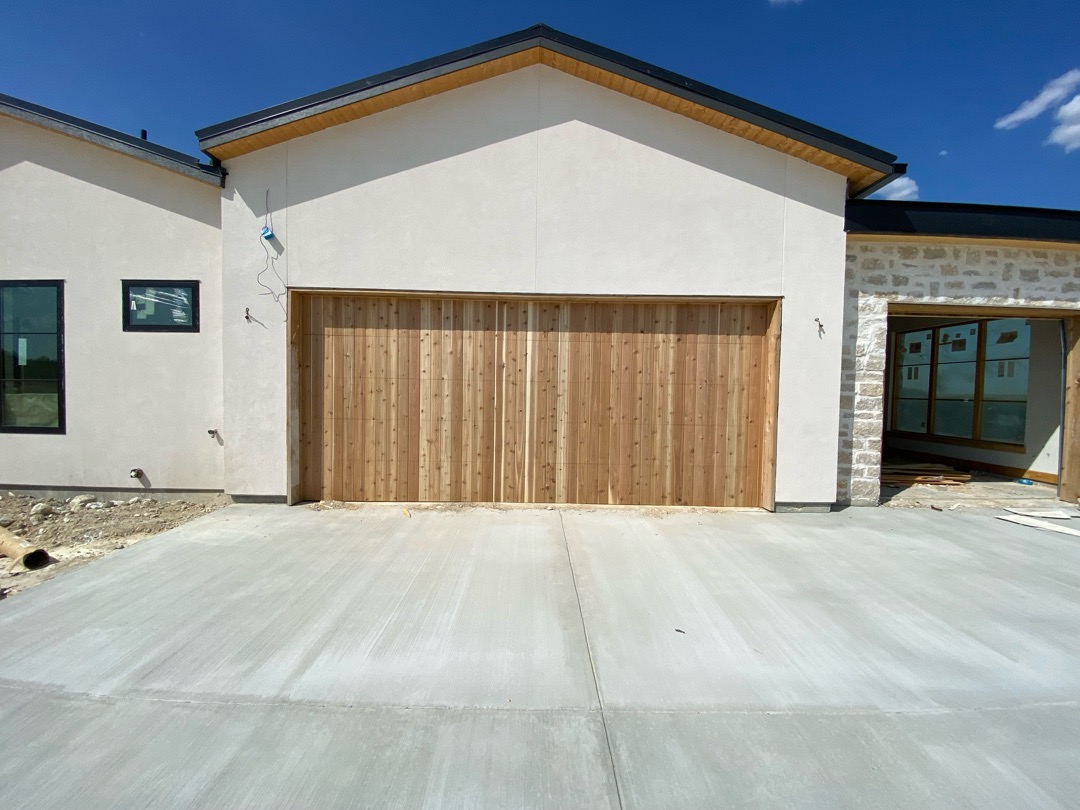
x=1035, y=523
x=1052, y=514
x=906, y=475
x=23, y=553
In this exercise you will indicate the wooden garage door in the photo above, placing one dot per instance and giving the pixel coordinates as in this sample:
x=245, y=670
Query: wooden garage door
x=449, y=399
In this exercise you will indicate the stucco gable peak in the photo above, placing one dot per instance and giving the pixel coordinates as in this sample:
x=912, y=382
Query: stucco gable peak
x=865, y=167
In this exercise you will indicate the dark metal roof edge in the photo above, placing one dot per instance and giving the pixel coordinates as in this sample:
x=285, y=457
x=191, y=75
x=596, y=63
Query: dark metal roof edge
x=974, y=220
x=544, y=36
x=417, y=71
x=277, y=115
x=898, y=170
x=722, y=101
x=121, y=142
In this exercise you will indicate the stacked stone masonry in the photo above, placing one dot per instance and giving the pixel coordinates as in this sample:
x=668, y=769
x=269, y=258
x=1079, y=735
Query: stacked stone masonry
x=880, y=273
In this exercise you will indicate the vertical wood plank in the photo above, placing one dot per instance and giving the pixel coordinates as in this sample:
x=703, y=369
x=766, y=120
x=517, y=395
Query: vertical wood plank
x=729, y=413
x=561, y=493
x=328, y=397
x=771, y=383
x=670, y=461
x=679, y=444
x=444, y=404
x=347, y=427
x=1069, y=478
x=704, y=340
x=543, y=401
x=426, y=461
x=602, y=390
x=488, y=398
x=619, y=392
x=413, y=425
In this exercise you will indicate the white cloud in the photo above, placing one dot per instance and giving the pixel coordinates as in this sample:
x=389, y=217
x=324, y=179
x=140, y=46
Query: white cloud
x=943, y=153
x=785, y=2
x=1052, y=94
x=903, y=188
x=1067, y=131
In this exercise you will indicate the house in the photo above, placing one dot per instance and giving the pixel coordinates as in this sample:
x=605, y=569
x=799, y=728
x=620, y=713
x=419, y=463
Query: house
x=533, y=270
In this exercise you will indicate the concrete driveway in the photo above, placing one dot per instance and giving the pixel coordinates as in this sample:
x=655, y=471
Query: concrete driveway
x=273, y=656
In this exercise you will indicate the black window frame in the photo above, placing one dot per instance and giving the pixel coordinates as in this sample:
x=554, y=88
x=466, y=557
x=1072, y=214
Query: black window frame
x=61, y=351
x=127, y=284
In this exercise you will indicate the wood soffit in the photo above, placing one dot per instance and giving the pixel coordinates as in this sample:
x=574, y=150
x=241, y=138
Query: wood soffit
x=380, y=99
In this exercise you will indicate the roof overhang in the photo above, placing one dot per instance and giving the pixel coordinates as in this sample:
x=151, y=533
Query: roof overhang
x=896, y=219
x=120, y=142
x=865, y=167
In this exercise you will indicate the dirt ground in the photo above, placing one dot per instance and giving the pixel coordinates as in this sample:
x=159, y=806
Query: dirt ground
x=76, y=530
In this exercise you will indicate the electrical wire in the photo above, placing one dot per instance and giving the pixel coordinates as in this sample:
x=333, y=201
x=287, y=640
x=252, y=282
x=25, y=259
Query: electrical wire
x=271, y=263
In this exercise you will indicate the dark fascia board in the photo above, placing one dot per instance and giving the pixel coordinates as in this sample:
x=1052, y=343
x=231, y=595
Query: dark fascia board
x=899, y=217
x=574, y=48
x=111, y=139
x=898, y=170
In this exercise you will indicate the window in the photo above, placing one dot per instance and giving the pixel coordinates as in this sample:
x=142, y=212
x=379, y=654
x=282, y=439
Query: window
x=964, y=382
x=32, y=356
x=161, y=306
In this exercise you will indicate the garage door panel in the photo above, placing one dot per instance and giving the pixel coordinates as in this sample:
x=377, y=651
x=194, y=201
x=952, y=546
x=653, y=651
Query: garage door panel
x=533, y=401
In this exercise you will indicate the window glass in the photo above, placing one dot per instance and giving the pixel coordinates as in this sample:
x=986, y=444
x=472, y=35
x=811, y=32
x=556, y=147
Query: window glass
x=914, y=382
x=161, y=306
x=957, y=344
x=1006, y=379
x=914, y=347
x=910, y=415
x=28, y=309
x=1008, y=338
x=31, y=356
x=953, y=417
x=1004, y=421
x=30, y=403
x=960, y=386
x=955, y=381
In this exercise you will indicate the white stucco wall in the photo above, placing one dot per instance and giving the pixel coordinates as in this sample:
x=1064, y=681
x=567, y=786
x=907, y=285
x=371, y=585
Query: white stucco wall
x=91, y=217
x=534, y=182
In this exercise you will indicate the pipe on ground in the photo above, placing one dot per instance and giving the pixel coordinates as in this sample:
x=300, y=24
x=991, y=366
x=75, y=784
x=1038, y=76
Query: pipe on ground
x=21, y=551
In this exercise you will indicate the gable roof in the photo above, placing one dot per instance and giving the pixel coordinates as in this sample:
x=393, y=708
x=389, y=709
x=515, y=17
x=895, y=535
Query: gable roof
x=120, y=142
x=866, y=168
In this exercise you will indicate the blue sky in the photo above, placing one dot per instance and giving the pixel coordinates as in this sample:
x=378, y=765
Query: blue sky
x=926, y=79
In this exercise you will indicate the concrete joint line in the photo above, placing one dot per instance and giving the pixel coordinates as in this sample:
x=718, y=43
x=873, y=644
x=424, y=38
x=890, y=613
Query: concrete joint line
x=92, y=697
x=592, y=663
x=927, y=712
x=45, y=690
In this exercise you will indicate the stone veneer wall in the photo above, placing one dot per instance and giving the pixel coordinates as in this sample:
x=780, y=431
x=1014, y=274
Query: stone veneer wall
x=879, y=273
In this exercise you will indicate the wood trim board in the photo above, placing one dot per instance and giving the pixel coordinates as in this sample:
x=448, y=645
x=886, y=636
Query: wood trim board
x=969, y=241
x=1070, y=429
x=990, y=311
